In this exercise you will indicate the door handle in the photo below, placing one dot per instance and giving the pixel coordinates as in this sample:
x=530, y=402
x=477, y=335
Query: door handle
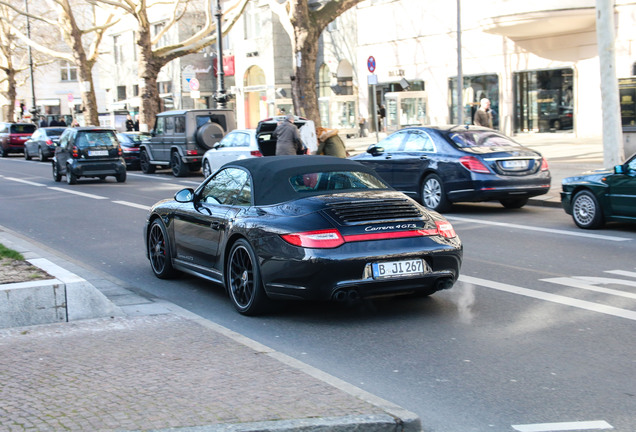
x=216, y=226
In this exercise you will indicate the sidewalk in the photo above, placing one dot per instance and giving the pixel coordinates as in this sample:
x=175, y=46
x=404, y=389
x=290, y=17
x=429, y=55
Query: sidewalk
x=567, y=156
x=154, y=366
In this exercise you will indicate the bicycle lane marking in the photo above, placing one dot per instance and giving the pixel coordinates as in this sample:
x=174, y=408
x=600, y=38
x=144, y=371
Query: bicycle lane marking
x=554, y=298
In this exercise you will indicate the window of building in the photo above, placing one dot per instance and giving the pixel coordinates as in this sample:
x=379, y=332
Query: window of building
x=476, y=87
x=544, y=100
x=627, y=90
x=252, y=21
x=121, y=93
x=164, y=87
x=156, y=30
x=134, y=45
x=68, y=71
x=118, y=53
x=135, y=90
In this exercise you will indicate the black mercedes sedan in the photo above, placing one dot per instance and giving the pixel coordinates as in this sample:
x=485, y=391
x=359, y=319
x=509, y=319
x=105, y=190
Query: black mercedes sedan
x=442, y=165
x=302, y=227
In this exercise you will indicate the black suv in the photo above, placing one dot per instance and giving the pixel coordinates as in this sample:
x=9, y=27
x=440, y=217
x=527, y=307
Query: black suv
x=13, y=136
x=181, y=137
x=88, y=152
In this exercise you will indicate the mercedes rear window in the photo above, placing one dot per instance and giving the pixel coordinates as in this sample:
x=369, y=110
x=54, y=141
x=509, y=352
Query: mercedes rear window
x=468, y=138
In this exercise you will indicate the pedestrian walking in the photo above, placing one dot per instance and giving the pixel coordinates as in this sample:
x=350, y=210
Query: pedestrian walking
x=330, y=143
x=483, y=116
x=130, y=124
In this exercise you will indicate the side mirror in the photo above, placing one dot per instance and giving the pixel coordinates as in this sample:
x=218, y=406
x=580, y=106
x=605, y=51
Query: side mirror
x=375, y=150
x=618, y=169
x=184, y=195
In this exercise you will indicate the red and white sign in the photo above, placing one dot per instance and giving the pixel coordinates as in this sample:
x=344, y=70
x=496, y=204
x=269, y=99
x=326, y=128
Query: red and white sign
x=194, y=84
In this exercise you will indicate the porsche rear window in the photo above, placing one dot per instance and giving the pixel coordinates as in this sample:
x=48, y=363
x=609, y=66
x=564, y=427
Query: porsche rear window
x=335, y=180
x=470, y=138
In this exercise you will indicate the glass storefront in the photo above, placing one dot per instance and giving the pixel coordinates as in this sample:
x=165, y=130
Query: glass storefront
x=627, y=91
x=476, y=87
x=544, y=100
x=405, y=109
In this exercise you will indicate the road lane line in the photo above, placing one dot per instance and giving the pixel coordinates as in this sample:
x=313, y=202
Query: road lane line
x=24, y=181
x=581, y=282
x=568, y=301
x=531, y=228
x=135, y=205
x=563, y=426
x=622, y=273
x=77, y=193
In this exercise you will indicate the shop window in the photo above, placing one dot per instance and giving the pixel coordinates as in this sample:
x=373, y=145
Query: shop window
x=476, y=87
x=627, y=90
x=544, y=100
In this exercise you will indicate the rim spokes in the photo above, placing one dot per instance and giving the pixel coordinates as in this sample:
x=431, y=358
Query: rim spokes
x=157, y=248
x=241, y=276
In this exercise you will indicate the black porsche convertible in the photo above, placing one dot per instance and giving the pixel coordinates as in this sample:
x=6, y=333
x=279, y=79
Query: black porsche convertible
x=302, y=227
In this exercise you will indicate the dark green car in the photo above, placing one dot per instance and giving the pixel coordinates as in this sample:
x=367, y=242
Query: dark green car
x=600, y=196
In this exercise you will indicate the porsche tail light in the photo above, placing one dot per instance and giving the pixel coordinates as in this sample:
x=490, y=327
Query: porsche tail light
x=471, y=163
x=445, y=229
x=544, y=164
x=322, y=239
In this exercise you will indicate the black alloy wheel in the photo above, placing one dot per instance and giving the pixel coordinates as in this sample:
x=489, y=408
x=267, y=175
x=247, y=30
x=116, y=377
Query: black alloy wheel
x=70, y=177
x=144, y=163
x=159, y=251
x=243, y=280
x=121, y=177
x=586, y=212
x=179, y=169
x=433, y=194
x=56, y=173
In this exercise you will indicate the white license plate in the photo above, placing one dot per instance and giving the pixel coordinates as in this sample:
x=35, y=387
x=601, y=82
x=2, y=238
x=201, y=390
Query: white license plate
x=98, y=152
x=398, y=268
x=514, y=164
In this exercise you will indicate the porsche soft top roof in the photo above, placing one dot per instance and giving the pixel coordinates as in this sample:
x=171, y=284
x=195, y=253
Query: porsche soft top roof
x=270, y=175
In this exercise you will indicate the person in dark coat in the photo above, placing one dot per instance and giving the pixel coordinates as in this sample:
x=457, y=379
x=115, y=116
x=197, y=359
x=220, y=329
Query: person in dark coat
x=330, y=143
x=130, y=124
x=287, y=138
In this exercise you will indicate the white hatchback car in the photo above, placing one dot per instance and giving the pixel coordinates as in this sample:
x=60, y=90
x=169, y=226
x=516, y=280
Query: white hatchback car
x=237, y=144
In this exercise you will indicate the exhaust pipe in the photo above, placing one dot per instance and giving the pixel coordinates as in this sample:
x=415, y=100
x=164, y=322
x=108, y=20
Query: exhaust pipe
x=443, y=284
x=340, y=296
x=353, y=295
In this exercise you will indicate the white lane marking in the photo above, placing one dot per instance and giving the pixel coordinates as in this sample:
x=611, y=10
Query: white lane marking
x=622, y=273
x=24, y=181
x=568, y=301
x=77, y=193
x=135, y=205
x=563, y=426
x=532, y=228
x=580, y=282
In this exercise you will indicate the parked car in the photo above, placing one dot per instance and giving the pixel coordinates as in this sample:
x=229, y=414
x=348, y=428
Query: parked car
x=600, y=196
x=42, y=143
x=88, y=152
x=13, y=137
x=237, y=144
x=310, y=227
x=448, y=164
x=130, y=142
x=181, y=137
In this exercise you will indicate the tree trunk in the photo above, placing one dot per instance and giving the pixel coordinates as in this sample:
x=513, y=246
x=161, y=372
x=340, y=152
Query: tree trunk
x=11, y=93
x=148, y=69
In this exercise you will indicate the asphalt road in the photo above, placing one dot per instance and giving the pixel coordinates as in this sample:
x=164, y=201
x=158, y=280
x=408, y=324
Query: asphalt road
x=538, y=335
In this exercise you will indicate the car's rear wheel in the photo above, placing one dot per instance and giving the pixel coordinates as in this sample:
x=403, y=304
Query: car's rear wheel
x=206, y=169
x=56, y=173
x=27, y=156
x=144, y=163
x=121, y=177
x=243, y=280
x=70, y=177
x=41, y=155
x=179, y=169
x=586, y=212
x=514, y=203
x=159, y=251
x=433, y=194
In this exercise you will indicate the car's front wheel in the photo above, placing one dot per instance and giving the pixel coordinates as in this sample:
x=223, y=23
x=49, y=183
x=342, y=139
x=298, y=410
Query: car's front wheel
x=243, y=280
x=586, y=212
x=144, y=163
x=179, y=169
x=433, y=194
x=159, y=251
x=514, y=203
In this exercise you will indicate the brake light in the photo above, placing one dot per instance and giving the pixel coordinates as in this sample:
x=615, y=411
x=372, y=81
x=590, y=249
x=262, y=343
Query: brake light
x=119, y=151
x=445, y=229
x=49, y=142
x=471, y=163
x=544, y=164
x=323, y=239
x=192, y=152
x=75, y=153
x=256, y=153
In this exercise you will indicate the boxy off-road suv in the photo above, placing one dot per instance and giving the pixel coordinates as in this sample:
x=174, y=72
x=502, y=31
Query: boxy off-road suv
x=181, y=137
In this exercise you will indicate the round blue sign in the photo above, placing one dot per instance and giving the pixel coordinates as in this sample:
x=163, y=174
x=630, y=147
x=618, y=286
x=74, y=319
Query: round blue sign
x=371, y=64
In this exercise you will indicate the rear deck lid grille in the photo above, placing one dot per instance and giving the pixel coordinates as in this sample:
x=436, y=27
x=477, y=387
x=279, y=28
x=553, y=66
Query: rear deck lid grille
x=366, y=211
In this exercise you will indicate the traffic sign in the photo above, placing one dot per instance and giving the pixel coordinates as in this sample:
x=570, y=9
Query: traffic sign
x=194, y=84
x=371, y=64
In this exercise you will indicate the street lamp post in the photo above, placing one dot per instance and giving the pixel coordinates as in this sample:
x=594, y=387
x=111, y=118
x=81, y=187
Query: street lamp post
x=220, y=97
x=460, y=77
x=34, y=108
